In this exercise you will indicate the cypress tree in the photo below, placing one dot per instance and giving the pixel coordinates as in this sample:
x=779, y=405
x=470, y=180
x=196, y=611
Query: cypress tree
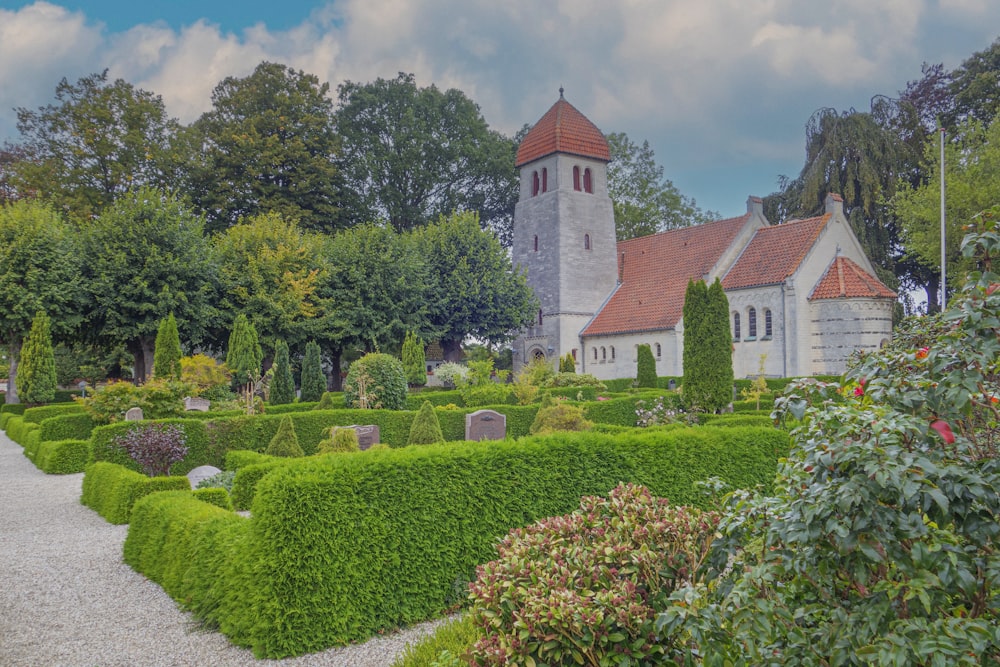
x=567, y=364
x=646, y=367
x=285, y=442
x=414, y=360
x=313, y=384
x=718, y=349
x=36, y=377
x=425, y=429
x=695, y=307
x=244, y=355
x=167, y=353
x=282, y=385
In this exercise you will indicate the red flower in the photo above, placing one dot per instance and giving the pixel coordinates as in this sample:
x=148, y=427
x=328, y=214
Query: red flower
x=944, y=430
x=922, y=353
x=859, y=391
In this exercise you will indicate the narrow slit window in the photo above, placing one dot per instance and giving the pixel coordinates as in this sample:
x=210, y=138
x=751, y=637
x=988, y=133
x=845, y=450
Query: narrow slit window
x=586, y=241
x=752, y=322
x=588, y=181
x=576, y=178
x=536, y=242
x=768, y=327
x=545, y=179
x=736, y=326
x=534, y=183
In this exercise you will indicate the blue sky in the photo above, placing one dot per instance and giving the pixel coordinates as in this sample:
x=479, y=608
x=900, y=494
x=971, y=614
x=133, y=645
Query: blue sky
x=721, y=89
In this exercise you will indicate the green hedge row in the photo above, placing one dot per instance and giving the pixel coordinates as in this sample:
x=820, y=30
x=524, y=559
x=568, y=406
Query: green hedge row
x=38, y=414
x=249, y=476
x=73, y=426
x=111, y=490
x=18, y=429
x=342, y=547
x=13, y=408
x=62, y=457
x=436, y=398
x=289, y=407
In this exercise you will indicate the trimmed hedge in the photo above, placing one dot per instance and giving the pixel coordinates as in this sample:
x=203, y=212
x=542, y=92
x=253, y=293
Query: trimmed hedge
x=289, y=407
x=111, y=490
x=200, y=448
x=30, y=440
x=38, y=414
x=437, y=398
x=248, y=477
x=214, y=496
x=342, y=547
x=62, y=457
x=72, y=426
x=242, y=458
x=13, y=408
x=18, y=429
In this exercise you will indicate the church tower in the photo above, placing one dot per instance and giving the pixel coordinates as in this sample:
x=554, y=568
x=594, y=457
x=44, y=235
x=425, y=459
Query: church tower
x=564, y=231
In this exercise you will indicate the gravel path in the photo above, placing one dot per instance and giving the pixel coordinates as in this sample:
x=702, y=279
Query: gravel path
x=66, y=598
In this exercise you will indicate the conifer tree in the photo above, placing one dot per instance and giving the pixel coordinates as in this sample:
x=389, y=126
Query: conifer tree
x=313, y=384
x=244, y=355
x=567, y=364
x=414, y=360
x=167, y=352
x=425, y=429
x=646, y=367
x=36, y=379
x=282, y=385
x=285, y=442
x=708, y=361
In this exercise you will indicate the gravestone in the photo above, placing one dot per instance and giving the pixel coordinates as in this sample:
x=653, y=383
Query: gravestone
x=485, y=425
x=200, y=473
x=368, y=435
x=199, y=404
x=133, y=415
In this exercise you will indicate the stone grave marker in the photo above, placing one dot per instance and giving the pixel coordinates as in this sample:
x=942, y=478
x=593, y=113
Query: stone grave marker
x=368, y=435
x=200, y=473
x=195, y=403
x=485, y=425
x=134, y=415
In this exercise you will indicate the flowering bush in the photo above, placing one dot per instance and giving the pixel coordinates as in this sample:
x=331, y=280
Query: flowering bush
x=155, y=447
x=656, y=413
x=585, y=588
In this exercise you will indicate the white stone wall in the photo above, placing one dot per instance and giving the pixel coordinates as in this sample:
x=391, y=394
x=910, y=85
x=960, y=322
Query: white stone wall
x=623, y=362
x=747, y=350
x=839, y=327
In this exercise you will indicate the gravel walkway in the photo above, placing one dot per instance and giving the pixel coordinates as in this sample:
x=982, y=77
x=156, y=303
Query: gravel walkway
x=66, y=598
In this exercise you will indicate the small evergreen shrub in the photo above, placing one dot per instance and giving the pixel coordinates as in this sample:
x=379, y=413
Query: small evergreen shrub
x=567, y=364
x=217, y=496
x=329, y=402
x=646, y=368
x=220, y=480
x=313, y=382
x=444, y=647
x=36, y=375
x=376, y=380
x=167, y=351
x=560, y=416
x=243, y=356
x=282, y=384
x=414, y=360
x=341, y=440
x=285, y=442
x=426, y=429
x=575, y=380
x=155, y=447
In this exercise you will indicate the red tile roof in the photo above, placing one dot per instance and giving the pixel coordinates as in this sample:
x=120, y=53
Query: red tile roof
x=845, y=279
x=655, y=271
x=774, y=253
x=563, y=129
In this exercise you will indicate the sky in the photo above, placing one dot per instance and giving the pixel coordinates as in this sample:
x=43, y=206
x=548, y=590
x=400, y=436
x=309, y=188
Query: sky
x=721, y=89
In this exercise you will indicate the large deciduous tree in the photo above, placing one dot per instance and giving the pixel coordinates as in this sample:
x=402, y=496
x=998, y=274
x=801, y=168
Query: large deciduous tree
x=144, y=257
x=412, y=154
x=99, y=140
x=645, y=202
x=472, y=288
x=39, y=269
x=267, y=145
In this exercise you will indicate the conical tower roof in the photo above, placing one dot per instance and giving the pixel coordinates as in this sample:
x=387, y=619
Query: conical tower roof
x=563, y=129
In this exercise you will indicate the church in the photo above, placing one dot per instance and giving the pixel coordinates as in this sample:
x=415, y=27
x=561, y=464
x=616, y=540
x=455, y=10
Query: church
x=803, y=296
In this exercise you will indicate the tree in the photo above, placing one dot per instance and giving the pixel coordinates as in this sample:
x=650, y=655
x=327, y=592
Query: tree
x=972, y=184
x=376, y=381
x=144, y=257
x=270, y=271
x=472, y=288
x=267, y=145
x=425, y=429
x=708, y=351
x=975, y=86
x=98, y=141
x=413, y=154
x=39, y=268
x=645, y=367
x=285, y=442
x=414, y=360
x=243, y=356
x=644, y=201
x=36, y=380
x=313, y=383
x=282, y=386
x=167, y=354
x=567, y=364
x=694, y=314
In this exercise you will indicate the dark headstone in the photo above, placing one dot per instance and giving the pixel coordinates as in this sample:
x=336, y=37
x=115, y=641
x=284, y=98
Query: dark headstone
x=485, y=425
x=368, y=435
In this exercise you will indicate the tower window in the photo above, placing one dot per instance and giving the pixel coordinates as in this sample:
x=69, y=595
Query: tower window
x=768, y=330
x=595, y=354
x=604, y=354
x=588, y=182
x=539, y=317
x=536, y=242
x=612, y=353
x=736, y=326
x=576, y=178
x=586, y=241
x=659, y=351
x=752, y=322
x=534, y=183
x=545, y=179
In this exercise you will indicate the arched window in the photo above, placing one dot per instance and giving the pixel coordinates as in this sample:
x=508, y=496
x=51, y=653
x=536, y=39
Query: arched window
x=536, y=242
x=659, y=351
x=534, y=183
x=768, y=331
x=586, y=241
x=539, y=317
x=588, y=183
x=612, y=353
x=576, y=178
x=604, y=354
x=752, y=322
x=545, y=179
x=595, y=354
x=539, y=355
x=736, y=326
x=574, y=354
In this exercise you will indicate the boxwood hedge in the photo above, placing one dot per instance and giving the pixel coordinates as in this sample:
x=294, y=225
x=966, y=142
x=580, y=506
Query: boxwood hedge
x=62, y=457
x=111, y=490
x=42, y=412
x=71, y=426
x=342, y=547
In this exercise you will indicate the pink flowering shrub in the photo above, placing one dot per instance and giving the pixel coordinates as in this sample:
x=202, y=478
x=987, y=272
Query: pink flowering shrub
x=586, y=588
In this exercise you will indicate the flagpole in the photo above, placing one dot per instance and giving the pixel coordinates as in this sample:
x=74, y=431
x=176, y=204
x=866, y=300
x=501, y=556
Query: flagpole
x=943, y=292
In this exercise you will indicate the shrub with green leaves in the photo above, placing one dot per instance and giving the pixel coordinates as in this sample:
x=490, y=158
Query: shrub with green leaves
x=645, y=368
x=451, y=374
x=167, y=351
x=285, y=442
x=567, y=364
x=450, y=641
x=282, y=384
x=341, y=440
x=155, y=447
x=590, y=583
x=36, y=375
x=414, y=360
x=376, y=380
x=243, y=356
x=313, y=382
x=425, y=429
x=559, y=416
x=220, y=480
x=574, y=379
